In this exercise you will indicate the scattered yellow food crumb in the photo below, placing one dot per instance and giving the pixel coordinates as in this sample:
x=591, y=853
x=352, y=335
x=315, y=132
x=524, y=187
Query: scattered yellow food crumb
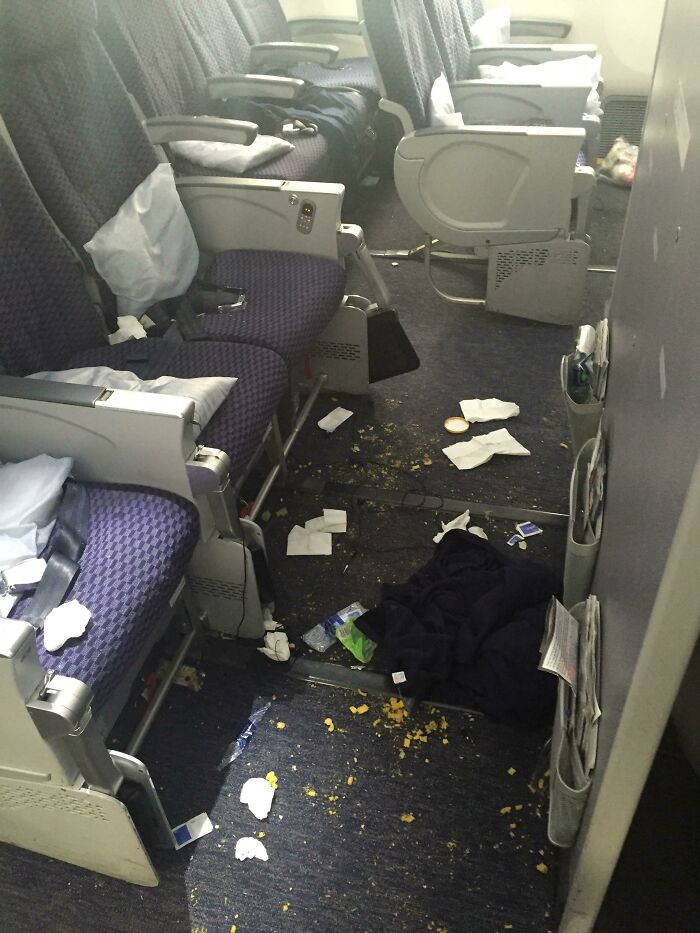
x=294, y=767
x=361, y=693
x=402, y=753
x=426, y=460
x=233, y=928
x=445, y=741
x=407, y=817
x=511, y=771
x=281, y=725
x=518, y=806
x=359, y=709
x=261, y=834
x=522, y=545
x=443, y=723
x=512, y=826
x=505, y=810
x=507, y=926
x=332, y=798
x=285, y=907
x=331, y=813
x=309, y=791
x=451, y=844
x=542, y=868
x=415, y=468
x=564, y=446
x=406, y=742
x=329, y=722
x=376, y=722
x=272, y=778
x=540, y=784
x=351, y=779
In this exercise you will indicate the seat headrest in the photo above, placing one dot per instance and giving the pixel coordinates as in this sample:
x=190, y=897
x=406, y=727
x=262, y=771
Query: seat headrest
x=32, y=28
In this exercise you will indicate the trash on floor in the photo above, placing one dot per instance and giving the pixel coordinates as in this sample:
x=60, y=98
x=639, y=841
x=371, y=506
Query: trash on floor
x=478, y=531
x=528, y=529
x=258, y=793
x=334, y=521
x=620, y=164
x=488, y=409
x=276, y=646
x=334, y=419
x=269, y=623
x=456, y=425
x=460, y=522
x=347, y=633
x=514, y=539
x=236, y=748
x=320, y=638
x=188, y=676
x=469, y=454
x=272, y=780
x=247, y=847
x=302, y=542
x=192, y=830
x=69, y=620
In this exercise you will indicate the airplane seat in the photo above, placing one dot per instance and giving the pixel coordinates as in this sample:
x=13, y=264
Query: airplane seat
x=81, y=144
x=155, y=58
x=48, y=323
x=137, y=549
x=343, y=115
x=508, y=191
x=264, y=21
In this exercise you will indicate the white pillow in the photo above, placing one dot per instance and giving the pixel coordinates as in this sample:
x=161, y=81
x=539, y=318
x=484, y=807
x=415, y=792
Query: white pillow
x=207, y=392
x=31, y=492
x=493, y=28
x=231, y=157
x=147, y=251
x=582, y=69
x=442, y=108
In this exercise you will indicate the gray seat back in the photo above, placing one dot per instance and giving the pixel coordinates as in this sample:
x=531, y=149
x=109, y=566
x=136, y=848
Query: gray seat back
x=45, y=313
x=262, y=20
x=406, y=53
x=452, y=37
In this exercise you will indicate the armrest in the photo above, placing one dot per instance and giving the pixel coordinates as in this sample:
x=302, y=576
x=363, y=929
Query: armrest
x=484, y=100
x=113, y=436
x=273, y=86
x=526, y=54
x=209, y=129
x=556, y=28
x=279, y=54
x=483, y=186
x=253, y=213
x=318, y=25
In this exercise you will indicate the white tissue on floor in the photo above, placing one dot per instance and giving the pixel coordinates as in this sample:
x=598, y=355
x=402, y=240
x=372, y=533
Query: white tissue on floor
x=276, y=646
x=68, y=620
x=469, y=454
x=247, y=847
x=488, y=409
x=258, y=794
x=333, y=520
x=129, y=327
x=334, y=419
x=460, y=522
x=478, y=532
x=302, y=542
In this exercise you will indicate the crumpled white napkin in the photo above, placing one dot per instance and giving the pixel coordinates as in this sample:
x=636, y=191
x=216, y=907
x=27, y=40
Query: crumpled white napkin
x=488, y=409
x=69, y=620
x=469, y=454
x=460, y=522
x=303, y=542
x=258, y=794
x=247, y=847
x=276, y=646
x=334, y=419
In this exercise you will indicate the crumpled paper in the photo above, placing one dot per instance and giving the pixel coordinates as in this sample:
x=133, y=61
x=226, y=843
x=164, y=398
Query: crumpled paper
x=258, y=793
x=488, y=409
x=469, y=454
x=276, y=646
x=460, y=522
x=247, y=847
x=69, y=620
x=303, y=542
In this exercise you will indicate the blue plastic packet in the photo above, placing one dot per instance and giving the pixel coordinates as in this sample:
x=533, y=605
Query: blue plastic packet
x=236, y=749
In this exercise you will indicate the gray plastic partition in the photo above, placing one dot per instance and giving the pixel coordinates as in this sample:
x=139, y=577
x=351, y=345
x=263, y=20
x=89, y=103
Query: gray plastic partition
x=647, y=576
x=584, y=419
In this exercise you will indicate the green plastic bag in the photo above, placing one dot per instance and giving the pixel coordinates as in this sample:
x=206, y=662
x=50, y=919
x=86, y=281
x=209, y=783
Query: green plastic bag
x=349, y=635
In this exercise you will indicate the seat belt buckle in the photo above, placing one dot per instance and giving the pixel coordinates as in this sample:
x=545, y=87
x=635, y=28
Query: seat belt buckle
x=238, y=305
x=15, y=589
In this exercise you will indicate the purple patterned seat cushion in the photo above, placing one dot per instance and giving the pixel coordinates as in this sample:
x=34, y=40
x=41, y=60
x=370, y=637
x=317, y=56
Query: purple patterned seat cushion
x=138, y=546
x=291, y=299
x=310, y=160
x=240, y=423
